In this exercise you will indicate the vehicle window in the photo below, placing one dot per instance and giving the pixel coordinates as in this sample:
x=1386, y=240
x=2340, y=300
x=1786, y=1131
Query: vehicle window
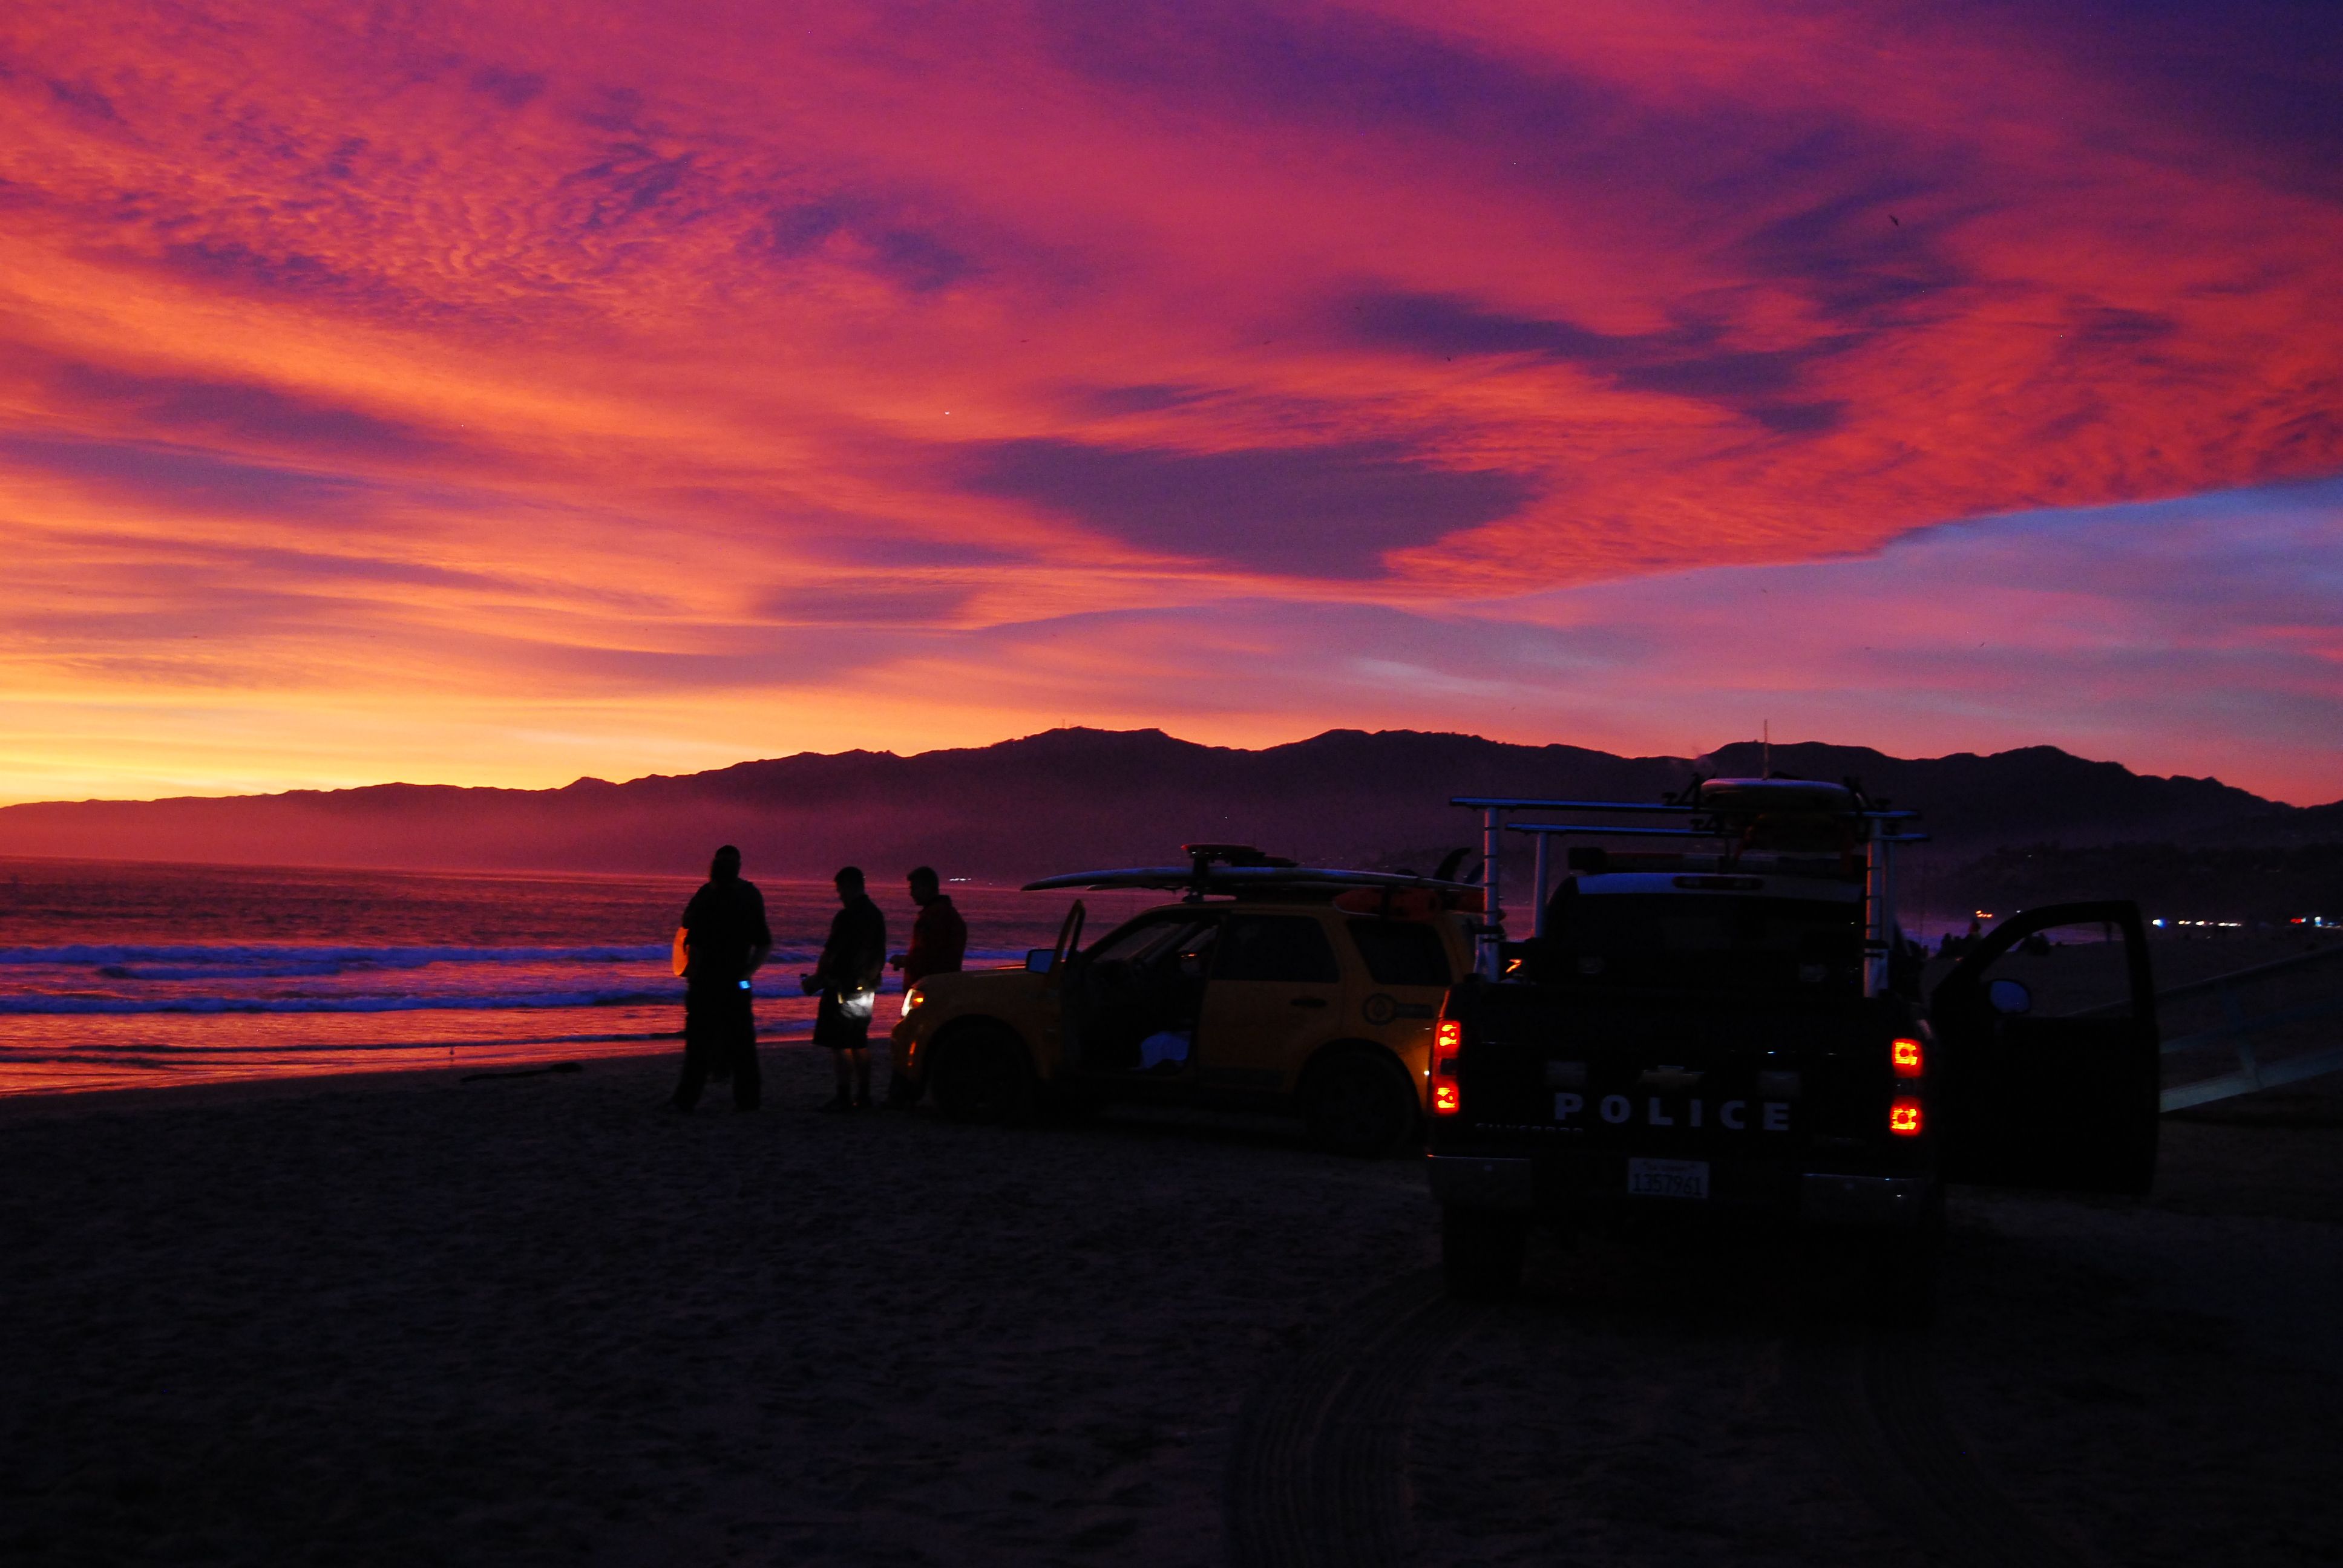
x=1145, y=942
x=1401, y=952
x=1291, y=948
x=1700, y=942
x=2066, y=969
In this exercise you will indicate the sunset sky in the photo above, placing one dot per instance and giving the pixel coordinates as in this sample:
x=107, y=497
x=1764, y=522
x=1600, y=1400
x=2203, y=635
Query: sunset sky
x=499, y=393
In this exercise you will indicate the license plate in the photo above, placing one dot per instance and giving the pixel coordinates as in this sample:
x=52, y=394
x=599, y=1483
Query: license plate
x=1668, y=1178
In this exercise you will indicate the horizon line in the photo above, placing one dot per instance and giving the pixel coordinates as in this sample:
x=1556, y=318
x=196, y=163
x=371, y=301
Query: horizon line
x=1689, y=759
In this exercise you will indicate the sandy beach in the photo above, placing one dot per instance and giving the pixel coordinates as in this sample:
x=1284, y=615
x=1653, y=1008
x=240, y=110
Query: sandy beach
x=411, y=1320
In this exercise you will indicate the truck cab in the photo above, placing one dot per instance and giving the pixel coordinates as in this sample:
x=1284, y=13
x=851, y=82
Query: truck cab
x=1732, y=1032
x=1265, y=986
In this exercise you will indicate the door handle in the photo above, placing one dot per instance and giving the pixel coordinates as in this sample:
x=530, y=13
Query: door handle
x=1310, y=1001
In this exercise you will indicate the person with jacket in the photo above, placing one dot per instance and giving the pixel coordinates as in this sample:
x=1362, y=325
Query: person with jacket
x=938, y=943
x=722, y=939
x=846, y=978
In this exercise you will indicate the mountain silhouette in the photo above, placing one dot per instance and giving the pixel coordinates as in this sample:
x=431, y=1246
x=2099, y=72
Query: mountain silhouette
x=1077, y=798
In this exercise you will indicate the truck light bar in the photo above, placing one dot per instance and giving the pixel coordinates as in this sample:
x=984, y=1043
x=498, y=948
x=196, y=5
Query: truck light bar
x=1546, y=832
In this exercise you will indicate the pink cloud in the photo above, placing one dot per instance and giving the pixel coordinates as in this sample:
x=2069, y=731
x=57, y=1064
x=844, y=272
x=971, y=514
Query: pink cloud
x=628, y=355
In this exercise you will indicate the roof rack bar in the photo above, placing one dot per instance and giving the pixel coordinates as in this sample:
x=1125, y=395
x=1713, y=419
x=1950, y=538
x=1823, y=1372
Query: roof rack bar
x=1538, y=871
x=1511, y=803
x=1487, y=952
x=1508, y=803
x=1609, y=831
x=1219, y=878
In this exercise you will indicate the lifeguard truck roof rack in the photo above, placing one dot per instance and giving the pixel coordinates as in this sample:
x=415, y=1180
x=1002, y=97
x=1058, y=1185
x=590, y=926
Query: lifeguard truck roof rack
x=1735, y=810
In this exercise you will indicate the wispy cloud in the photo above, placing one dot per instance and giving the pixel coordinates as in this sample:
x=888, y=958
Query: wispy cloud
x=1276, y=365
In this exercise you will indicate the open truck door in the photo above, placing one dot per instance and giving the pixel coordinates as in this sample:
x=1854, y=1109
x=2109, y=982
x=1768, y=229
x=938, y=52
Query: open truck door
x=1070, y=942
x=2047, y=1053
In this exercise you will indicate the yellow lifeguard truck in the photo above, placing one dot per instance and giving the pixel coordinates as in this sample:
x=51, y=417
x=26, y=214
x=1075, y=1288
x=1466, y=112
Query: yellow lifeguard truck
x=1266, y=986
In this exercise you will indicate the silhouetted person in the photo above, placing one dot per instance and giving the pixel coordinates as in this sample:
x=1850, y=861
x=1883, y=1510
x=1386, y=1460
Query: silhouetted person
x=938, y=943
x=722, y=939
x=847, y=978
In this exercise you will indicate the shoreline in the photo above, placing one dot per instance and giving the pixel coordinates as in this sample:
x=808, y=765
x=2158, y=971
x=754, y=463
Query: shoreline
x=53, y=1100
x=28, y=1104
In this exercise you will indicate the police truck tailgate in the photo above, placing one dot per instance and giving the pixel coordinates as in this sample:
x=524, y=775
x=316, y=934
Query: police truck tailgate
x=1683, y=1098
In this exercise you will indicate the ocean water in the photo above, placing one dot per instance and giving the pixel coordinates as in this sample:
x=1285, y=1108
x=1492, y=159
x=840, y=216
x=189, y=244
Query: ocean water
x=115, y=974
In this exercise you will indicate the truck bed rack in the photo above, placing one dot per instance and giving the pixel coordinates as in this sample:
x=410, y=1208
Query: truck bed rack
x=1737, y=805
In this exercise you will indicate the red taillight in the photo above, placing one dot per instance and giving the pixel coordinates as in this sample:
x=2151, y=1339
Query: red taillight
x=1903, y=1118
x=1447, y=1040
x=1906, y=1056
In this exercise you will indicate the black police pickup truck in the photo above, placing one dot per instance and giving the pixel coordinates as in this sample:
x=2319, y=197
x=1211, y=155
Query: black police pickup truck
x=1737, y=1033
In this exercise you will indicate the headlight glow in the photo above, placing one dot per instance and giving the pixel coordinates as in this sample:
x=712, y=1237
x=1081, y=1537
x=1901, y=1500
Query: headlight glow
x=912, y=997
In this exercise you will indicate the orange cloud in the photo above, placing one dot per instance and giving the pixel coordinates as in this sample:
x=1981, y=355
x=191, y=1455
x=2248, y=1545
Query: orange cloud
x=675, y=372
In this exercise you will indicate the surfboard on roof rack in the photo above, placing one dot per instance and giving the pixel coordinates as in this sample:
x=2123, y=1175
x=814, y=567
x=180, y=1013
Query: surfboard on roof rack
x=1232, y=868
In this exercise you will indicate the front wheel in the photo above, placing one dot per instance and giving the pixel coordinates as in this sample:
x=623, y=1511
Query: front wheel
x=1360, y=1105
x=981, y=1074
x=1481, y=1251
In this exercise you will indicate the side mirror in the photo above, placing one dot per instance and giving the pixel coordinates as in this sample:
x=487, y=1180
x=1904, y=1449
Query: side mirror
x=2009, y=998
x=1037, y=959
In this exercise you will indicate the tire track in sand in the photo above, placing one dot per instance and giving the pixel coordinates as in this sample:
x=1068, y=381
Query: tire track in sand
x=1318, y=1472
x=1870, y=1393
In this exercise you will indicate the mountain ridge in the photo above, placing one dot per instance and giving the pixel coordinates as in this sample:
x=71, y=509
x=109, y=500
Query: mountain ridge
x=1076, y=797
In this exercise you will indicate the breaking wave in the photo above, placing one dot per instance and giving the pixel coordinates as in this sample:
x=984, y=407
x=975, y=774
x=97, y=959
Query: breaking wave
x=495, y=1001
x=241, y=959
x=189, y=960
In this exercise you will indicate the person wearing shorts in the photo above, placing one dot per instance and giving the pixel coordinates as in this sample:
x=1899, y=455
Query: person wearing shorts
x=846, y=979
